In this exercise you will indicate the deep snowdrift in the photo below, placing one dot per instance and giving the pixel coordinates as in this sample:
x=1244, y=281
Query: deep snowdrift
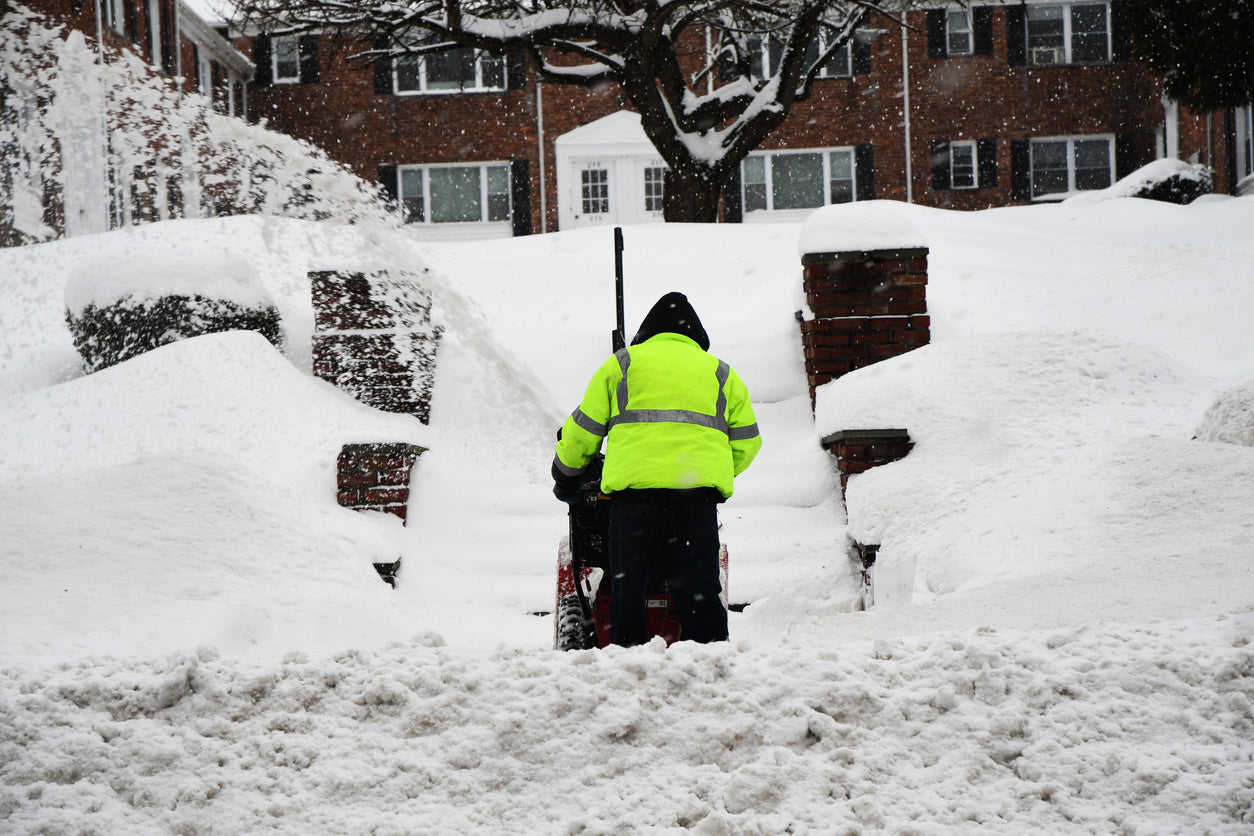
x=192, y=639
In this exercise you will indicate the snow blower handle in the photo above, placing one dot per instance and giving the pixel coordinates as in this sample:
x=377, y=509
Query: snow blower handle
x=618, y=338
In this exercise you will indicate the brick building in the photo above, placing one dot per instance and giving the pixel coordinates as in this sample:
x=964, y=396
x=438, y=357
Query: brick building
x=966, y=108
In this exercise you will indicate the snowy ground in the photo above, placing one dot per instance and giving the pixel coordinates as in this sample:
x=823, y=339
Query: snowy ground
x=192, y=639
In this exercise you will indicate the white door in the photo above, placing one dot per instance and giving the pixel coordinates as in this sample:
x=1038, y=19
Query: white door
x=649, y=175
x=594, y=193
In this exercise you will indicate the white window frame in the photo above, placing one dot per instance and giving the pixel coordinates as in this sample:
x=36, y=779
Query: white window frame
x=152, y=17
x=113, y=16
x=762, y=67
x=484, y=194
x=1070, y=141
x=204, y=68
x=768, y=158
x=594, y=192
x=1035, y=55
x=951, y=15
x=652, y=189
x=476, y=85
x=1245, y=141
x=970, y=145
x=275, y=75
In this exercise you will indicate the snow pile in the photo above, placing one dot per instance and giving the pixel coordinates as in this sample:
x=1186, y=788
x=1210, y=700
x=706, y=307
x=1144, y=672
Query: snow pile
x=848, y=227
x=1167, y=179
x=1128, y=729
x=151, y=494
x=192, y=638
x=1052, y=430
x=148, y=276
x=1230, y=419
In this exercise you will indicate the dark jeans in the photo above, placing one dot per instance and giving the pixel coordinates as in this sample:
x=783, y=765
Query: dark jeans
x=677, y=534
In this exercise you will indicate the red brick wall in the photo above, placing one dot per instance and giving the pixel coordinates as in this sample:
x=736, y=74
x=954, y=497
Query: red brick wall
x=373, y=338
x=375, y=477
x=867, y=307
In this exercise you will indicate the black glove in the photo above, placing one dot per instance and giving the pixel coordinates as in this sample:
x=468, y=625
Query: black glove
x=566, y=487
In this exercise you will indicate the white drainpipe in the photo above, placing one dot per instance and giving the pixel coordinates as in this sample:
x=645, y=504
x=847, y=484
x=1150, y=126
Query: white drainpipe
x=544, y=191
x=905, y=104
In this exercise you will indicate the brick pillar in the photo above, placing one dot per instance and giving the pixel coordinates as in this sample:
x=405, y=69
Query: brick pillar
x=373, y=338
x=857, y=451
x=867, y=306
x=375, y=477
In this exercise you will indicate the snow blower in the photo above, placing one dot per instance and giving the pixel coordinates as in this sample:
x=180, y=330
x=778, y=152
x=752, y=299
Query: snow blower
x=581, y=615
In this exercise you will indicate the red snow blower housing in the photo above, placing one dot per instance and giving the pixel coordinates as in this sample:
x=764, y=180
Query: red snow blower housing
x=582, y=610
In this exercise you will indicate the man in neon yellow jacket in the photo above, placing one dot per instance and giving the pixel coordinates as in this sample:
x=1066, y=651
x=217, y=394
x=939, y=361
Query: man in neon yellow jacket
x=678, y=427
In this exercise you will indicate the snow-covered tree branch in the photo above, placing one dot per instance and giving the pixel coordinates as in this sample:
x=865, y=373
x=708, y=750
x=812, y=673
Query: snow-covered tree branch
x=710, y=78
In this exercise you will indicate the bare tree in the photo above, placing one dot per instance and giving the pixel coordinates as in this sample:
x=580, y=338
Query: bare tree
x=710, y=78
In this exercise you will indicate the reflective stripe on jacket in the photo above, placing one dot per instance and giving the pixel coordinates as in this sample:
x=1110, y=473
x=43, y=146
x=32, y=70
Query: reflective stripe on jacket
x=671, y=414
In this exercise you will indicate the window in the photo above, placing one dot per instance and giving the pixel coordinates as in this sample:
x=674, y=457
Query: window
x=654, y=176
x=1065, y=165
x=776, y=182
x=962, y=171
x=285, y=60
x=450, y=71
x=1245, y=141
x=766, y=57
x=958, y=32
x=110, y=14
x=594, y=191
x=454, y=193
x=1068, y=34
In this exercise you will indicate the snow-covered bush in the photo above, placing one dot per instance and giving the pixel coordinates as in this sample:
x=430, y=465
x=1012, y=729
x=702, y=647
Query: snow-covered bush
x=118, y=310
x=1185, y=184
x=1230, y=419
x=1172, y=181
x=92, y=144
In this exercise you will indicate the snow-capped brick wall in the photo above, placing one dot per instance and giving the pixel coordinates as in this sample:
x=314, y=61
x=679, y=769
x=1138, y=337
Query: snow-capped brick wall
x=375, y=477
x=374, y=338
x=857, y=451
x=866, y=306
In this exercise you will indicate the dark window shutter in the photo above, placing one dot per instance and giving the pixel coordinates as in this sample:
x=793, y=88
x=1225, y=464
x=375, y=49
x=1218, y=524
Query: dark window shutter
x=382, y=69
x=733, y=203
x=860, y=55
x=936, y=44
x=864, y=168
x=389, y=183
x=515, y=71
x=307, y=49
x=520, y=195
x=940, y=165
x=1020, y=169
x=168, y=58
x=1120, y=38
x=986, y=155
x=130, y=18
x=1016, y=36
x=264, y=76
x=982, y=23
x=196, y=67
x=1125, y=155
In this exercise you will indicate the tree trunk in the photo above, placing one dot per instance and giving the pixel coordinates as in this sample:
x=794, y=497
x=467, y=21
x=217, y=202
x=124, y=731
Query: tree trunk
x=689, y=197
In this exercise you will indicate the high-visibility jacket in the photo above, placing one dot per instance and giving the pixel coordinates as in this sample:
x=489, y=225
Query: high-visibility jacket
x=671, y=415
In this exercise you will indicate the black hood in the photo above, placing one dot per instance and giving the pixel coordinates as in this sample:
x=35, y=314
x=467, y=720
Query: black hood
x=673, y=314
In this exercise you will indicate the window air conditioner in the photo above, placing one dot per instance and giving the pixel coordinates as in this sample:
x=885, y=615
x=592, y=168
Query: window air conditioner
x=1048, y=55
